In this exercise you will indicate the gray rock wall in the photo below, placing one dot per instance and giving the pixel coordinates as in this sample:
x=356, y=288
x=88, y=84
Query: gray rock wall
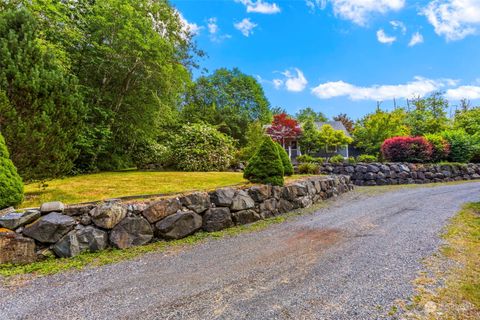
x=372, y=174
x=66, y=231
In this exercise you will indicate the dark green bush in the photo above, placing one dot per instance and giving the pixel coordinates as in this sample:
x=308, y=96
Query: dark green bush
x=11, y=185
x=336, y=159
x=287, y=164
x=366, y=158
x=308, y=168
x=266, y=165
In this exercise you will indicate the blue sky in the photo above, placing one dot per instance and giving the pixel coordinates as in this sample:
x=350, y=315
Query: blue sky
x=343, y=55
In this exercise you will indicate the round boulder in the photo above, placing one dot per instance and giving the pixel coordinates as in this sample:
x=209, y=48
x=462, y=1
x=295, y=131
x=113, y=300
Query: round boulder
x=108, y=214
x=49, y=228
x=216, y=219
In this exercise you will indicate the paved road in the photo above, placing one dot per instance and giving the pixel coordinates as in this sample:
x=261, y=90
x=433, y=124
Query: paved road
x=351, y=260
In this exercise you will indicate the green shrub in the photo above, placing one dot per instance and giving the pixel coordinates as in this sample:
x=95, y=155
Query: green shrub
x=462, y=147
x=200, y=147
x=308, y=168
x=266, y=165
x=11, y=185
x=366, y=158
x=338, y=158
x=351, y=160
x=153, y=154
x=440, y=147
x=319, y=160
x=305, y=158
x=287, y=164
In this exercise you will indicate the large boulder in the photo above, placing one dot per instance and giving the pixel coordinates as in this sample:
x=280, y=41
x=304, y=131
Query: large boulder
x=242, y=201
x=268, y=208
x=216, y=219
x=92, y=239
x=14, y=220
x=222, y=197
x=198, y=201
x=161, y=209
x=245, y=216
x=260, y=193
x=130, y=232
x=108, y=214
x=179, y=225
x=81, y=240
x=49, y=228
x=16, y=249
x=54, y=206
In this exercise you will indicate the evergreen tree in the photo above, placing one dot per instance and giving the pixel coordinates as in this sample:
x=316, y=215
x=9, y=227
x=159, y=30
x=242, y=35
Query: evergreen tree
x=287, y=164
x=11, y=185
x=41, y=109
x=266, y=165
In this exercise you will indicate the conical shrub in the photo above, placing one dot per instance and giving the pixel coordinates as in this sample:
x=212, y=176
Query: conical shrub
x=287, y=164
x=266, y=165
x=11, y=185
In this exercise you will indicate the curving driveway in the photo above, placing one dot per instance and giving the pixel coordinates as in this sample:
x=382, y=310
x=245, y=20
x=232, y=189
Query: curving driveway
x=351, y=260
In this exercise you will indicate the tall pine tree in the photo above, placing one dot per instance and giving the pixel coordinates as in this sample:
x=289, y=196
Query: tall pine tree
x=41, y=109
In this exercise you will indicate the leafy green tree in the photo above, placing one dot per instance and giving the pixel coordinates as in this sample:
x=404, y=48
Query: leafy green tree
x=41, y=108
x=429, y=115
x=287, y=164
x=374, y=128
x=309, y=114
x=266, y=165
x=228, y=99
x=310, y=139
x=330, y=139
x=200, y=147
x=468, y=120
x=11, y=185
x=255, y=135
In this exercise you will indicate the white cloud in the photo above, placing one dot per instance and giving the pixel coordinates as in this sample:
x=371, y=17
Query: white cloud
x=294, y=81
x=418, y=87
x=189, y=27
x=454, y=19
x=463, y=92
x=382, y=37
x=417, y=38
x=398, y=25
x=214, y=31
x=245, y=27
x=277, y=83
x=260, y=6
x=359, y=11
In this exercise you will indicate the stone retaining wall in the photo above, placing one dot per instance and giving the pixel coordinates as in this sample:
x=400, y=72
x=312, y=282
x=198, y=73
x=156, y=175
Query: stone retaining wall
x=66, y=231
x=371, y=174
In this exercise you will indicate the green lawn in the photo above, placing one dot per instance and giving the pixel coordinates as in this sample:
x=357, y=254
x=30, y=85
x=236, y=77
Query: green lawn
x=105, y=185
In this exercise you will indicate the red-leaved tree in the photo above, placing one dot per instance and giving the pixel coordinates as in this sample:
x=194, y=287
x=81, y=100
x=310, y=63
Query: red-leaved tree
x=284, y=128
x=407, y=149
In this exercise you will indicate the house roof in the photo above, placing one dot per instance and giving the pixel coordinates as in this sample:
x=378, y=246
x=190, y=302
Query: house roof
x=337, y=125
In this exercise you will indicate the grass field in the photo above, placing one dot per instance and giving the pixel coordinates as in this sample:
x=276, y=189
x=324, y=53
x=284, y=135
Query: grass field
x=105, y=185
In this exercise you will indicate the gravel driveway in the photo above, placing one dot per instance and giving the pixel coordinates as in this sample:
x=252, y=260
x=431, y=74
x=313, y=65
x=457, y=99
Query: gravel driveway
x=351, y=260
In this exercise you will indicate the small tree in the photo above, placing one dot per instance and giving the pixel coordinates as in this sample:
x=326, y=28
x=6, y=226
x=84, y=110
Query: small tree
x=11, y=185
x=310, y=140
x=284, y=128
x=287, y=164
x=440, y=147
x=255, y=135
x=330, y=139
x=266, y=165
